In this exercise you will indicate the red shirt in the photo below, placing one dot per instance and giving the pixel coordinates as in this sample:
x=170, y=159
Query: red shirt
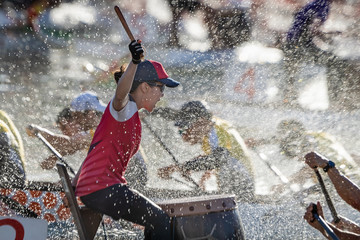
x=116, y=140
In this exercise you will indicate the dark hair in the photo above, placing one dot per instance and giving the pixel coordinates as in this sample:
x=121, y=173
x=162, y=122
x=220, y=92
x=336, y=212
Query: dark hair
x=66, y=114
x=191, y=112
x=292, y=137
x=118, y=74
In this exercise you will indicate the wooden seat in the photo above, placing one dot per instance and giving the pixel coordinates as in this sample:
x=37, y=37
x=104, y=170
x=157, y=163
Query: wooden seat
x=86, y=220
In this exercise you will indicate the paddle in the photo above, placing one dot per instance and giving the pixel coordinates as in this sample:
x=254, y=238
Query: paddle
x=273, y=168
x=262, y=157
x=55, y=152
x=327, y=197
x=58, y=155
x=323, y=223
x=187, y=177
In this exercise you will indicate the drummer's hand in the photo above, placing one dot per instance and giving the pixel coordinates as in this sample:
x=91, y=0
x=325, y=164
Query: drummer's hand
x=314, y=160
x=309, y=217
x=32, y=130
x=49, y=163
x=165, y=172
x=136, y=50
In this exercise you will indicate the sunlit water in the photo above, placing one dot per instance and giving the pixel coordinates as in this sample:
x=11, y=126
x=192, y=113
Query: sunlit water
x=37, y=98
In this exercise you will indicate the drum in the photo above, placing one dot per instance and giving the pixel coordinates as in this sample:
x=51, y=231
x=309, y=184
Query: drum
x=205, y=217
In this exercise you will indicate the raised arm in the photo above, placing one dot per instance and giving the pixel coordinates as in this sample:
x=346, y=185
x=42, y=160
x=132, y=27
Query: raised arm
x=125, y=82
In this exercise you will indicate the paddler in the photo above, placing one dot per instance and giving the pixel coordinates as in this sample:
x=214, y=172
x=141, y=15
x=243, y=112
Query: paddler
x=12, y=170
x=293, y=140
x=77, y=124
x=223, y=154
x=346, y=189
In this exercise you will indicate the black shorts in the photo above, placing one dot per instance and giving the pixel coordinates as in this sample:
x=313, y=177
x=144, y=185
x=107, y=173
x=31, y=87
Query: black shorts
x=119, y=201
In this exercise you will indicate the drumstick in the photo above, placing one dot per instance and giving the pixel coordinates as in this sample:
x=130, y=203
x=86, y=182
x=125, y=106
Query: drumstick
x=124, y=23
x=327, y=197
x=126, y=27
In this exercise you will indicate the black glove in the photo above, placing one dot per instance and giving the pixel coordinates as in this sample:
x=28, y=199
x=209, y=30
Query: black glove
x=136, y=51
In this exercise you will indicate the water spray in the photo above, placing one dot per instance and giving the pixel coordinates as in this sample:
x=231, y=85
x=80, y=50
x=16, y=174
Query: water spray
x=187, y=177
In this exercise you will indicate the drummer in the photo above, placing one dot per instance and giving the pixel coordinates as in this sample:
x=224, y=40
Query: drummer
x=101, y=184
x=222, y=154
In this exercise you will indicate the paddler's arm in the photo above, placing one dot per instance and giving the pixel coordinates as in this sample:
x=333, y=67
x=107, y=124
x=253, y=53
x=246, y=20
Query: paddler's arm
x=344, y=234
x=166, y=113
x=64, y=144
x=60, y=142
x=346, y=225
x=200, y=163
x=125, y=82
x=346, y=189
x=77, y=142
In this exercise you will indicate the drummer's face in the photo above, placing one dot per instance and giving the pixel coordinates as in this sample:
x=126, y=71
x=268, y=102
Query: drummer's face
x=197, y=131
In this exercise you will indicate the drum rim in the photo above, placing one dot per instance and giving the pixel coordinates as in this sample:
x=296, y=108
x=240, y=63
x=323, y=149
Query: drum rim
x=201, y=205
